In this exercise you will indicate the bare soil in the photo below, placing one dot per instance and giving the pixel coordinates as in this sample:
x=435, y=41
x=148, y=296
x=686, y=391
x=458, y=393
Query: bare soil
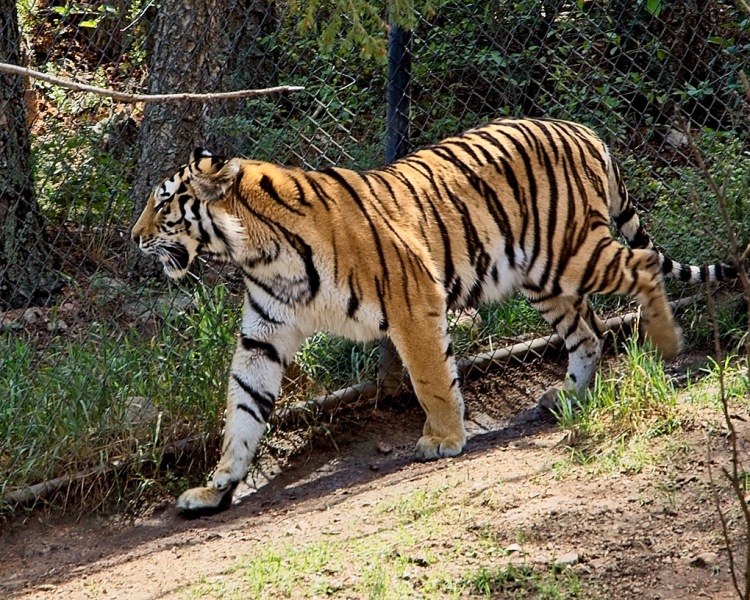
x=652, y=534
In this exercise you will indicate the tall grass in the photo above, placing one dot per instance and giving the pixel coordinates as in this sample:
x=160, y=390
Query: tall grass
x=631, y=402
x=72, y=402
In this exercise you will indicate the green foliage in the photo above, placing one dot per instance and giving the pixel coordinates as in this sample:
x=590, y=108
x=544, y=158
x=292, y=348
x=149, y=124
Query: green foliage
x=523, y=581
x=631, y=401
x=77, y=394
x=684, y=200
x=334, y=362
x=80, y=182
x=364, y=23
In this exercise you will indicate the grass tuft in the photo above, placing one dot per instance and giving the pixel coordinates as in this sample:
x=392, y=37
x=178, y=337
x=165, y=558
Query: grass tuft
x=631, y=402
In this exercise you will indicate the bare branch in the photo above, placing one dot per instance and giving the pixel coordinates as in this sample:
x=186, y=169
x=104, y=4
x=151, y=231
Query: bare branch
x=125, y=97
x=722, y=520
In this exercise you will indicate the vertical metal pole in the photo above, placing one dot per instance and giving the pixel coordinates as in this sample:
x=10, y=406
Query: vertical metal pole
x=390, y=368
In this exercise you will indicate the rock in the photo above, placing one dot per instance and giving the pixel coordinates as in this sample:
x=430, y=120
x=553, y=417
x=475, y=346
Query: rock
x=704, y=560
x=566, y=560
x=140, y=415
x=57, y=326
x=514, y=548
x=32, y=315
x=161, y=307
x=676, y=139
x=107, y=289
x=384, y=448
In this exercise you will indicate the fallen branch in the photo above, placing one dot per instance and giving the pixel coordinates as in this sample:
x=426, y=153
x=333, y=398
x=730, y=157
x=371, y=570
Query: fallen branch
x=37, y=491
x=125, y=97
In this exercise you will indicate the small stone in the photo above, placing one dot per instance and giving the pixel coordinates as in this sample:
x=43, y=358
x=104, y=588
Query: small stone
x=676, y=139
x=703, y=560
x=514, y=548
x=384, y=448
x=57, y=325
x=32, y=315
x=566, y=560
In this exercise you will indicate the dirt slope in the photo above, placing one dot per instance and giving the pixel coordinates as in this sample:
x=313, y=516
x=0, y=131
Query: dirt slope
x=654, y=534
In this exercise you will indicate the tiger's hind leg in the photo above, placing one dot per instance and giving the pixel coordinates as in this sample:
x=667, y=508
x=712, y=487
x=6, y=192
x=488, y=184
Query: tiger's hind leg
x=578, y=325
x=637, y=273
x=424, y=347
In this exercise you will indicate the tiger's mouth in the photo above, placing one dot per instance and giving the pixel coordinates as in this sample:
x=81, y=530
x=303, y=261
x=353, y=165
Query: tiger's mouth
x=175, y=259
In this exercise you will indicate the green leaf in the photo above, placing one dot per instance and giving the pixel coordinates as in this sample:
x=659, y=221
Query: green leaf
x=89, y=23
x=654, y=7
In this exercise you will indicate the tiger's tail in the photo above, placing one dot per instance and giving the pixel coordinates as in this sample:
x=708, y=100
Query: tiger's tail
x=630, y=227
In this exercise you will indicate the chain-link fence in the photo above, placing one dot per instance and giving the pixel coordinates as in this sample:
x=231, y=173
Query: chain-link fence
x=114, y=379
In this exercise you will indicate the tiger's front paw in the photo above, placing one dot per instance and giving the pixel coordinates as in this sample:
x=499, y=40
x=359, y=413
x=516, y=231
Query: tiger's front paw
x=202, y=501
x=431, y=447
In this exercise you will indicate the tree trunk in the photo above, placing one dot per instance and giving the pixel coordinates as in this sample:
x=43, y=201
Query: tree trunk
x=185, y=59
x=247, y=65
x=26, y=270
x=111, y=34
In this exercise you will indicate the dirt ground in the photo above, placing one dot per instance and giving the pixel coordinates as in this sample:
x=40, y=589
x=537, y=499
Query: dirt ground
x=653, y=534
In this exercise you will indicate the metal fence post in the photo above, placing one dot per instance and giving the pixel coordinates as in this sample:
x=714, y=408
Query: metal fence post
x=390, y=368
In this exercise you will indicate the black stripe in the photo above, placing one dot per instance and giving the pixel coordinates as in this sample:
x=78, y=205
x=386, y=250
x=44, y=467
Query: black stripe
x=267, y=186
x=269, y=350
x=264, y=400
x=685, y=274
x=384, y=316
x=318, y=189
x=641, y=239
x=587, y=281
x=353, y=303
x=249, y=410
x=300, y=192
x=312, y=273
x=624, y=217
x=341, y=180
x=666, y=265
x=260, y=311
x=554, y=198
x=574, y=347
x=454, y=293
x=448, y=268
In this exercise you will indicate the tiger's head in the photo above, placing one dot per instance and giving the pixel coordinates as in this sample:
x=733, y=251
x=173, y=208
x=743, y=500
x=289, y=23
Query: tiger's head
x=177, y=223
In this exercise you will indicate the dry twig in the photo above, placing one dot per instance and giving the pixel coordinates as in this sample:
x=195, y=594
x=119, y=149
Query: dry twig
x=130, y=98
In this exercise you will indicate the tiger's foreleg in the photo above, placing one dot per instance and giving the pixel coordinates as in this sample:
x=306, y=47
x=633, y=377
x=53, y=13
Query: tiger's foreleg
x=263, y=352
x=424, y=346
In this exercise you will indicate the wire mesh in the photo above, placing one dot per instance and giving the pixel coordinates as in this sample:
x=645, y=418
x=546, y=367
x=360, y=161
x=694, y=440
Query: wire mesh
x=105, y=368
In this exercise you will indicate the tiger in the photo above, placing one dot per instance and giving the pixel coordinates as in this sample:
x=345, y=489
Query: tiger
x=514, y=204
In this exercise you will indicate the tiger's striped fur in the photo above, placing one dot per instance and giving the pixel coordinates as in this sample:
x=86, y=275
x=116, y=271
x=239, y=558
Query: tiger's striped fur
x=513, y=204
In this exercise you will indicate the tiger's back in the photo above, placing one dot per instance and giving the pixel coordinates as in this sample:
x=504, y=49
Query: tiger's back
x=515, y=204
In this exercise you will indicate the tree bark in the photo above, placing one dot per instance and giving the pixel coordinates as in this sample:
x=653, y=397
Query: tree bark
x=27, y=275
x=185, y=59
x=247, y=65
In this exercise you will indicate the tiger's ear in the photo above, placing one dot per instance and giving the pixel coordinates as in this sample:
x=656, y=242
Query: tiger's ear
x=212, y=175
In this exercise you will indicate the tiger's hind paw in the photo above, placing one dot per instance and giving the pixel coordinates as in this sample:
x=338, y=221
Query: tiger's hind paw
x=430, y=447
x=556, y=400
x=204, y=501
x=550, y=400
